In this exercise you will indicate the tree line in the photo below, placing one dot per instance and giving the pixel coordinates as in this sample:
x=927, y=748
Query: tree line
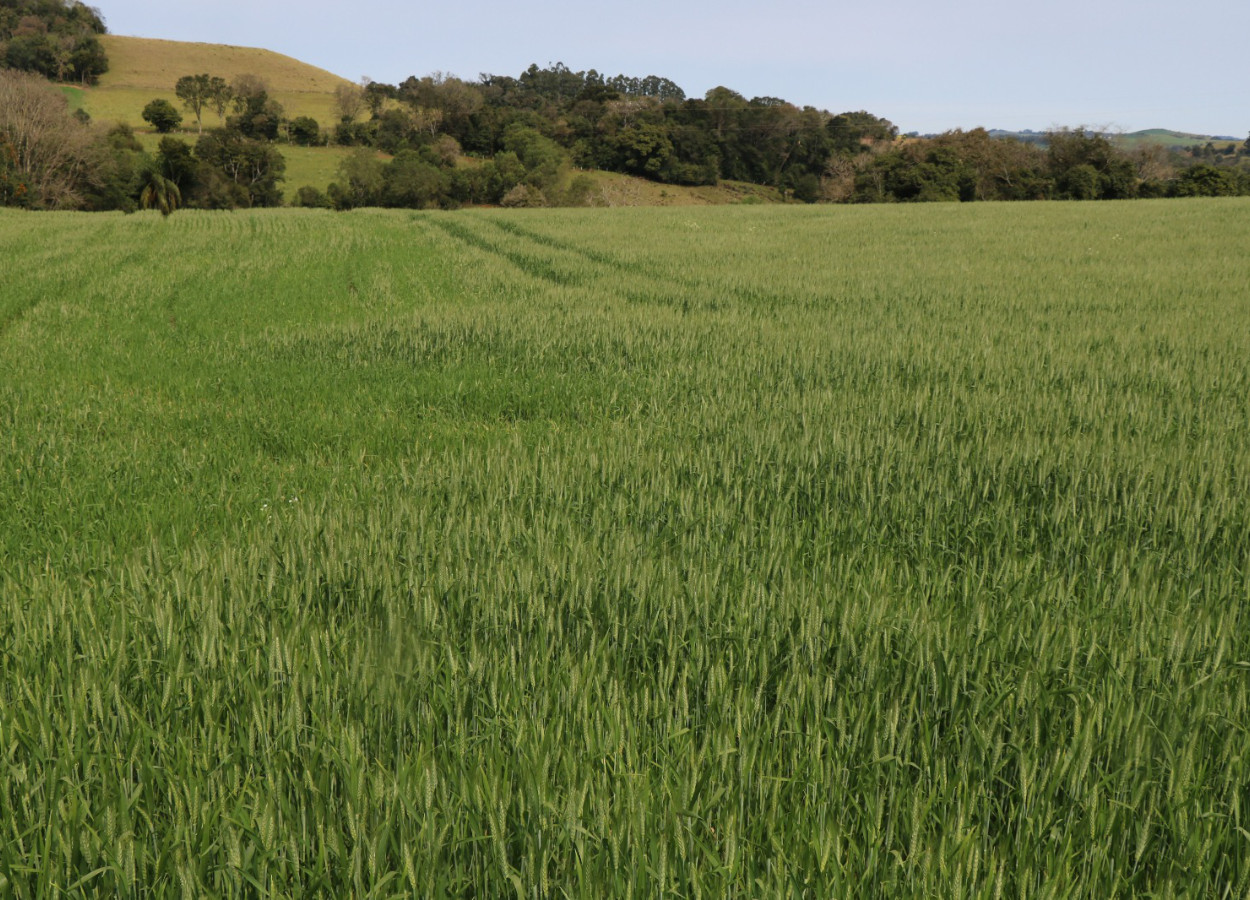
x=555, y=119
x=441, y=141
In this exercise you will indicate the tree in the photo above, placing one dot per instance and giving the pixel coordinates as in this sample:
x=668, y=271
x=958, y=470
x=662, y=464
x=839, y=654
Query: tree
x=196, y=93
x=160, y=193
x=376, y=95
x=643, y=150
x=996, y=168
x=363, y=177
x=118, y=170
x=256, y=115
x=254, y=168
x=1206, y=181
x=162, y=115
x=1073, y=153
x=411, y=181
x=176, y=161
x=305, y=131
x=850, y=131
x=46, y=156
x=349, y=100
x=220, y=95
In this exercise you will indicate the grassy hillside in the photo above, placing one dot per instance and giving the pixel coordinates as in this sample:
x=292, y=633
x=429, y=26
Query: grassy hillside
x=142, y=69
x=873, y=552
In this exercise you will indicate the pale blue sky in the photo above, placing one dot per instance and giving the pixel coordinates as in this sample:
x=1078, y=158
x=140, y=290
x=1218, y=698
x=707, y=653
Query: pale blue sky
x=927, y=66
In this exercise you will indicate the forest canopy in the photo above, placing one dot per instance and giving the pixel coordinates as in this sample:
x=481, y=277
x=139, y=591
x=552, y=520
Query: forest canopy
x=58, y=39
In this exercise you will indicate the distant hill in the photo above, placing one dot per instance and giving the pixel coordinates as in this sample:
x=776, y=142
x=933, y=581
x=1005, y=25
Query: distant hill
x=1162, y=136
x=142, y=69
x=1174, y=138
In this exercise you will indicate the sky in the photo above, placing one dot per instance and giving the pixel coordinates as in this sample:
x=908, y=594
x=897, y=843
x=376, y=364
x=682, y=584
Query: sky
x=926, y=65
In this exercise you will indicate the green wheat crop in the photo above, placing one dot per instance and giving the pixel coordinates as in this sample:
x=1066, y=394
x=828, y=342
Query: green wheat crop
x=759, y=552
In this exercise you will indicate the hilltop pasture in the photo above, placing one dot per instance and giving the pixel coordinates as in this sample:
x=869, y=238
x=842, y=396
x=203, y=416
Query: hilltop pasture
x=145, y=69
x=703, y=552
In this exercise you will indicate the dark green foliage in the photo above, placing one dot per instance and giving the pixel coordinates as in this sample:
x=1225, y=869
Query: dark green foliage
x=850, y=130
x=361, y=179
x=162, y=115
x=643, y=150
x=310, y=197
x=176, y=161
x=256, y=115
x=53, y=38
x=355, y=134
x=1087, y=166
x=305, y=131
x=377, y=93
x=1206, y=181
x=120, y=169
x=412, y=180
x=912, y=173
x=240, y=171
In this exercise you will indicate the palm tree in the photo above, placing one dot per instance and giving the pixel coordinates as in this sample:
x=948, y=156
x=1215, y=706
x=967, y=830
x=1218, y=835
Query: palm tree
x=160, y=193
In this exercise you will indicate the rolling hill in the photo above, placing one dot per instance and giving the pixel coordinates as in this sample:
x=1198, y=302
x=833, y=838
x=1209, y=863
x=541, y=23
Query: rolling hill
x=142, y=69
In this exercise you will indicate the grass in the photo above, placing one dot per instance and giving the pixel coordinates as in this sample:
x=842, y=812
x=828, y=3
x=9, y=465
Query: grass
x=767, y=551
x=615, y=189
x=144, y=69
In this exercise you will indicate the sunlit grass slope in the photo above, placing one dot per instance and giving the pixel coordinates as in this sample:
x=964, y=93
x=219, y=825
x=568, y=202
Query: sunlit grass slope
x=771, y=552
x=143, y=69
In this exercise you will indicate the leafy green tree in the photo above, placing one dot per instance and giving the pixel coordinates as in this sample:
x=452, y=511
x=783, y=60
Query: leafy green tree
x=376, y=95
x=411, y=181
x=1206, y=181
x=914, y=173
x=358, y=134
x=196, y=94
x=644, y=150
x=1080, y=182
x=850, y=131
x=310, y=197
x=253, y=167
x=545, y=161
x=176, y=161
x=162, y=115
x=118, y=173
x=220, y=95
x=996, y=168
x=1071, y=153
x=256, y=115
x=362, y=177
x=305, y=131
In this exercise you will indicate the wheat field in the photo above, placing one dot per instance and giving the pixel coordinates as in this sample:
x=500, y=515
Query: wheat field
x=705, y=552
